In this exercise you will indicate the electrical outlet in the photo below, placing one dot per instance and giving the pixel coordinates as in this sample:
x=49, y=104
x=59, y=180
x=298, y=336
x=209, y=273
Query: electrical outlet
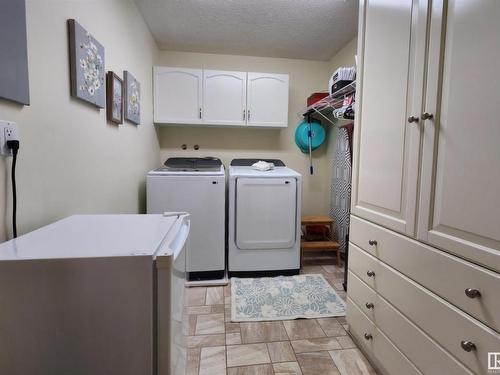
x=8, y=132
x=11, y=133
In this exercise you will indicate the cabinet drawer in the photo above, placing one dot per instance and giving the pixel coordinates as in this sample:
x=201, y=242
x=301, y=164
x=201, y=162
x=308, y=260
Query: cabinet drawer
x=381, y=351
x=440, y=320
x=425, y=353
x=440, y=272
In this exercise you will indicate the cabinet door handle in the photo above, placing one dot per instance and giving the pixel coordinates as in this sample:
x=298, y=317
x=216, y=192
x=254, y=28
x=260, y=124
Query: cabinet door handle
x=427, y=116
x=368, y=336
x=244, y=115
x=472, y=293
x=248, y=114
x=468, y=346
x=370, y=273
x=372, y=242
x=200, y=113
x=369, y=305
x=413, y=119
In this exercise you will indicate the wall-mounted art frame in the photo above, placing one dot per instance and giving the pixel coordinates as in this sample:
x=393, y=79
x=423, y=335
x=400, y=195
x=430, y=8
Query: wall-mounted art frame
x=132, y=109
x=14, y=79
x=87, y=69
x=114, y=98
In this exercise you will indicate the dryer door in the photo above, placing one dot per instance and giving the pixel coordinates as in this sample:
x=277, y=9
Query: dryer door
x=266, y=210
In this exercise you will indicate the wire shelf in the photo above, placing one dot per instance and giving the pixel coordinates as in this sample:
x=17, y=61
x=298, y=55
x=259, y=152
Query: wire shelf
x=327, y=105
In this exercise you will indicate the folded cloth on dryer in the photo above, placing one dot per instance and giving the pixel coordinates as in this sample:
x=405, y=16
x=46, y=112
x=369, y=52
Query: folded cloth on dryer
x=263, y=165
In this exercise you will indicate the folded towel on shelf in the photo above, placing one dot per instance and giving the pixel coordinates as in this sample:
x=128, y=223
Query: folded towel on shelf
x=263, y=165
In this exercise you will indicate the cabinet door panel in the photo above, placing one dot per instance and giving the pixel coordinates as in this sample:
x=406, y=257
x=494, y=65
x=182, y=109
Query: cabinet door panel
x=224, y=97
x=461, y=158
x=267, y=100
x=390, y=84
x=177, y=95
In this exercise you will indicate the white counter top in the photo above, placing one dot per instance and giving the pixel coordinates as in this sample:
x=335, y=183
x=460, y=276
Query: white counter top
x=89, y=236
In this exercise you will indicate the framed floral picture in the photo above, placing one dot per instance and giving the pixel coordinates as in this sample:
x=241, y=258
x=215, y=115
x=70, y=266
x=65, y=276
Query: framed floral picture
x=87, y=72
x=114, y=98
x=132, y=98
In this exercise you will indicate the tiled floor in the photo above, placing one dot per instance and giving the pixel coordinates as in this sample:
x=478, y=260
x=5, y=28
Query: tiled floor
x=216, y=346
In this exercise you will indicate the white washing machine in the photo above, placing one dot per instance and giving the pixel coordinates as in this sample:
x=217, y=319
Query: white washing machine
x=196, y=186
x=264, y=220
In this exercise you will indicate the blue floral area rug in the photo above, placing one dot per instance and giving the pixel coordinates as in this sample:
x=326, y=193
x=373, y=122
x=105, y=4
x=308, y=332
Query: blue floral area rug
x=284, y=298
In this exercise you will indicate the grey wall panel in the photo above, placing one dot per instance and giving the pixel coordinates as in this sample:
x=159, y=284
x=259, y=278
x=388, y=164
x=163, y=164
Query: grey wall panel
x=14, y=81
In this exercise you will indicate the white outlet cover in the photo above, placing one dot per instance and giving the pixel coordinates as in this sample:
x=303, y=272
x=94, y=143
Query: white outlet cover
x=4, y=125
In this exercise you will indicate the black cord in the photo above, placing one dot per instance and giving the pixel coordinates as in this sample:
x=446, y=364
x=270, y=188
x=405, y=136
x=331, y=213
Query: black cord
x=14, y=195
x=14, y=146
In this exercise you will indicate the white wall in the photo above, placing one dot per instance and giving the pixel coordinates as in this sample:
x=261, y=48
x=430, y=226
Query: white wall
x=306, y=77
x=71, y=160
x=345, y=56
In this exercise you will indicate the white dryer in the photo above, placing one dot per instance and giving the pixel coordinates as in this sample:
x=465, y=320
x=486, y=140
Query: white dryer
x=196, y=186
x=264, y=219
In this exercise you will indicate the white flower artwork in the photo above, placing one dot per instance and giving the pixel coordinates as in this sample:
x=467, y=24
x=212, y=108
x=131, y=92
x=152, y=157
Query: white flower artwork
x=87, y=66
x=132, y=98
x=117, y=99
x=114, y=98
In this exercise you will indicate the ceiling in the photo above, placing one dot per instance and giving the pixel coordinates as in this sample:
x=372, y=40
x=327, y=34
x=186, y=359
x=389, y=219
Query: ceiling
x=299, y=29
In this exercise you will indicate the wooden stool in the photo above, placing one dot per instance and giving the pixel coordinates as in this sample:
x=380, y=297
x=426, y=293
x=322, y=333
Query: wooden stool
x=328, y=244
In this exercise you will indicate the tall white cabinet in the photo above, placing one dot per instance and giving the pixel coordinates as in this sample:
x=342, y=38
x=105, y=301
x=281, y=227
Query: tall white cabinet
x=460, y=201
x=221, y=98
x=385, y=182
x=424, y=260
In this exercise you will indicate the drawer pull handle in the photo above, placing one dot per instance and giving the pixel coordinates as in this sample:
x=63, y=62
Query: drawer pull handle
x=468, y=346
x=472, y=293
x=370, y=273
x=369, y=305
x=372, y=242
x=368, y=336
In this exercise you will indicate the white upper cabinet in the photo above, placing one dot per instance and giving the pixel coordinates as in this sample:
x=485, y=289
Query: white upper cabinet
x=267, y=101
x=386, y=143
x=177, y=95
x=460, y=184
x=224, y=97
